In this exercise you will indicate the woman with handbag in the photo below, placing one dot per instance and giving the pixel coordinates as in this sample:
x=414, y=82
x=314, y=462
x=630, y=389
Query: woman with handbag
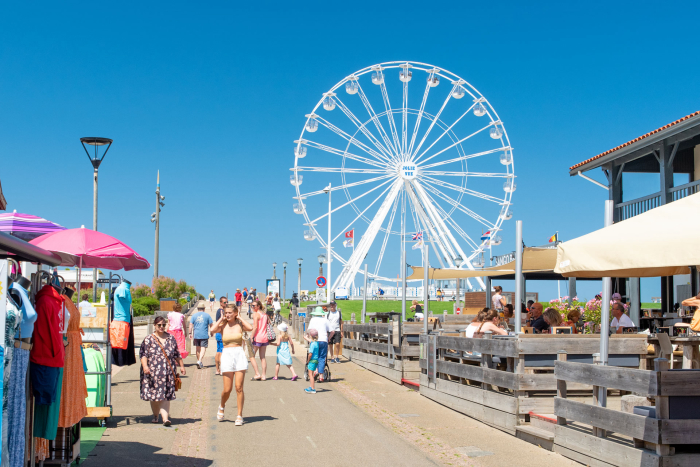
x=233, y=358
x=159, y=380
x=260, y=339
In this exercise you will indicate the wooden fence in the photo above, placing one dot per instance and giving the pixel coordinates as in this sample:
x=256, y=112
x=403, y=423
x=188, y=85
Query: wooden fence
x=501, y=381
x=594, y=435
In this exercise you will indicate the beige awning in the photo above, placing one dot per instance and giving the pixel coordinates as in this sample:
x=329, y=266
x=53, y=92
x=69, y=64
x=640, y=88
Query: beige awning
x=534, y=260
x=659, y=242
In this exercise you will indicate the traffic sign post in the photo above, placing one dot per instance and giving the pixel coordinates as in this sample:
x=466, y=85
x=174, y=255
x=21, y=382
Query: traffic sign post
x=321, y=281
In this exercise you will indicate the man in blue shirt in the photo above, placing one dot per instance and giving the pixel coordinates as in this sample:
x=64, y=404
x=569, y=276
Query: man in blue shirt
x=200, y=324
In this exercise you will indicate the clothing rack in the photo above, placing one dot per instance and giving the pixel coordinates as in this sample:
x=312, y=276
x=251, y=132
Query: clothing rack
x=108, y=346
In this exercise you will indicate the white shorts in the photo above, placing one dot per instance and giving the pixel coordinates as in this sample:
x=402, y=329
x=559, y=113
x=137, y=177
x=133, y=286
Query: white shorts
x=233, y=359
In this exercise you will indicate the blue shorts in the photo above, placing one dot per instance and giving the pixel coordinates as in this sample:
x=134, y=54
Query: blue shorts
x=219, y=344
x=313, y=364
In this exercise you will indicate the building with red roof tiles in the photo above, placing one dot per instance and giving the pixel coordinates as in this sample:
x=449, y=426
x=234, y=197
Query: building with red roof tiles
x=672, y=149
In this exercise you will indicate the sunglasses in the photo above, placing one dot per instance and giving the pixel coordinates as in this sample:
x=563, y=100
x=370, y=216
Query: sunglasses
x=160, y=325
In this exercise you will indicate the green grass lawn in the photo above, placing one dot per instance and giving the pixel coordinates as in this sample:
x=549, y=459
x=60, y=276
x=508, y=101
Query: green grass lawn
x=653, y=306
x=348, y=307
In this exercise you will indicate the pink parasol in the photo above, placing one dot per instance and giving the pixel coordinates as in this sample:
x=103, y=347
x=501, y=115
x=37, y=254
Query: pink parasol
x=87, y=248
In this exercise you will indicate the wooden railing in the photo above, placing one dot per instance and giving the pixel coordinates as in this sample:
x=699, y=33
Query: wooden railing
x=500, y=381
x=583, y=430
x=388, y=349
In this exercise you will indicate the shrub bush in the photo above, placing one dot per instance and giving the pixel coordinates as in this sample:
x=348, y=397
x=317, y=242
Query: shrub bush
x=145, y=306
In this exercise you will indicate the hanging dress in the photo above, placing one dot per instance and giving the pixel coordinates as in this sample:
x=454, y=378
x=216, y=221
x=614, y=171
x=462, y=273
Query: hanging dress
x=74, y=393
x=13, y=318
x=175, y=320
x=16, y=392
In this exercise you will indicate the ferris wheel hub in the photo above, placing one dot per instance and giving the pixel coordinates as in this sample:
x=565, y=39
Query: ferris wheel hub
x=408, y=170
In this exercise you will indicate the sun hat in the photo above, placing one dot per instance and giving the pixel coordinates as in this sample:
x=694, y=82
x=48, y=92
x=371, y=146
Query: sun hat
x=318, y=311
x=282, y=327
x=201, y=306
x=312, y=333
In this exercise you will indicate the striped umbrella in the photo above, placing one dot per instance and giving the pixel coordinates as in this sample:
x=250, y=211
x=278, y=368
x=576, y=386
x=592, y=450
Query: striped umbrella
x=26, y=226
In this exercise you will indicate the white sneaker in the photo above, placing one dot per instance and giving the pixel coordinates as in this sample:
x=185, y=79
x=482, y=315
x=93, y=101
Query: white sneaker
x=199, y=364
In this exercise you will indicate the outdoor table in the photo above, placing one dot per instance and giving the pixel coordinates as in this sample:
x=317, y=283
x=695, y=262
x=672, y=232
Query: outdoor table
x=691, y=352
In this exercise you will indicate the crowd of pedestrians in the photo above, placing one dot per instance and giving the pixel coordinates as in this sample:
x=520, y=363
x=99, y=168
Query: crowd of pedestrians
x=238, y=345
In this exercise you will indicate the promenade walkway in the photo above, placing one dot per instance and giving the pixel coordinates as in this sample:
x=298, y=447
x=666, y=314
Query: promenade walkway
x=359, y=418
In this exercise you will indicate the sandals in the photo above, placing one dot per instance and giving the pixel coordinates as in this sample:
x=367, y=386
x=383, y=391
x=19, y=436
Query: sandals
x=167, y=423
x=255, y=378
x=220, y=414
x=274, y=379
x=239, y=421
x=155, y=420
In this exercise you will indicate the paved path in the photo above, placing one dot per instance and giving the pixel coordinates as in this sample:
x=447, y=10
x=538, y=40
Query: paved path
x=359, y=418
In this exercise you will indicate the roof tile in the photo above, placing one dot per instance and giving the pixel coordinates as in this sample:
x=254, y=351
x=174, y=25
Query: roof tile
x=634, y=140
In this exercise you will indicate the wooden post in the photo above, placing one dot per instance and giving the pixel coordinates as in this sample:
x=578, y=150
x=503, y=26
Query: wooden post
x=561, y=385
x=519, y=369
x=597, y=432
x=486, y=360
x=661, y=405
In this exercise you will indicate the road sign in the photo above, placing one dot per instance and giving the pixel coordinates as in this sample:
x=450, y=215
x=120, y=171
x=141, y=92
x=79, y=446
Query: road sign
x=321, y=281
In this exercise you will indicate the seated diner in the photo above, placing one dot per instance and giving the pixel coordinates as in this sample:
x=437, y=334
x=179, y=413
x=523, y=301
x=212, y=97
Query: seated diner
x=490, y=323
x=535, y=319
x=620, y=320
x=552, y=318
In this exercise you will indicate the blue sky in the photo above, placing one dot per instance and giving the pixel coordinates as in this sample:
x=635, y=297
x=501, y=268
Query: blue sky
x=213, y=96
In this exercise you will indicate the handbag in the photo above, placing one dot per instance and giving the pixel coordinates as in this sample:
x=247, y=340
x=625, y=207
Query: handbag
x=247, y=347
x=695, y=324
x=271, y=336
x=178, y=381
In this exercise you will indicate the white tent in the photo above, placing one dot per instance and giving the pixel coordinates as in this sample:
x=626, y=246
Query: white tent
x=659, y=242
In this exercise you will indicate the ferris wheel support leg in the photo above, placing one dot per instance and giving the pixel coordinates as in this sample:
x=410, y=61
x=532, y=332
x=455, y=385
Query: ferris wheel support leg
x=353, y=265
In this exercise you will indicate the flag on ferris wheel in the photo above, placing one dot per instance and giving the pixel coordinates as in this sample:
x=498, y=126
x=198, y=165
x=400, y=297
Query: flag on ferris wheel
x=418, y=244
x=350, y=234
x=418, y=236
x=486, y=236
x=349, y=242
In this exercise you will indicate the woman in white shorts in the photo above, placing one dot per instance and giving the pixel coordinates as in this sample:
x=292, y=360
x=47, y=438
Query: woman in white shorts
x=233, y=360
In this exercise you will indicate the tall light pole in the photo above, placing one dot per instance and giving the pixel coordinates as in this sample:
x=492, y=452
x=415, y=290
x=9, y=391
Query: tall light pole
x=299, y=261
x=274, y=270
x=155, y=217
x=284, y=282
x=329, y=297
x=95, y=160
x=458, y=262
x=321, y=260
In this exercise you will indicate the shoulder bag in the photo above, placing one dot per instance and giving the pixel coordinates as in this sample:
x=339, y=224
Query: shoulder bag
x=178, y=381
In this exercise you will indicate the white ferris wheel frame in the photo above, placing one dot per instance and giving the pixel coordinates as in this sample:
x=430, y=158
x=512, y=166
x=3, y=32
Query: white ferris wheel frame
x=389, y=152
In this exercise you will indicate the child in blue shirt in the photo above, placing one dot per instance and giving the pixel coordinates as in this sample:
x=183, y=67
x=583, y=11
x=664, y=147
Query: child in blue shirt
x=312, y=358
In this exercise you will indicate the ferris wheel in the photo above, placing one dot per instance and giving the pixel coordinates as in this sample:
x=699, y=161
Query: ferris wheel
x=416, y=154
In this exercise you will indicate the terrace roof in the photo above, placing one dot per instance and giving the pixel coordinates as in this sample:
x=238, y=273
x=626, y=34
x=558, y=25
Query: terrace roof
x=681, y=125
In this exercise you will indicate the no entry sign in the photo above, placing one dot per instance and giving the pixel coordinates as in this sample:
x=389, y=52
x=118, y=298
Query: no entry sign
x=321, y=281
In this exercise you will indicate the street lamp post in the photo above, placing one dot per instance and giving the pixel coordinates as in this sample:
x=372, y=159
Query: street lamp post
x=274, y=270
x=321, y=260
x=155, y=217
x=458, y=262
x=329, y=296
x=299, y=261
x=284, y=282
x=95, y=160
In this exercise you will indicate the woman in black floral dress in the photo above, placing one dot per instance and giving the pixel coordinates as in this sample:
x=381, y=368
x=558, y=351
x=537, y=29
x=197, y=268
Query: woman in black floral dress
x=157, y=377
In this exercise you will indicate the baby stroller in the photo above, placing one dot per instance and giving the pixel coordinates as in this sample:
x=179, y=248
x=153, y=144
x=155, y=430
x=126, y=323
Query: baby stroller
x=326, y=371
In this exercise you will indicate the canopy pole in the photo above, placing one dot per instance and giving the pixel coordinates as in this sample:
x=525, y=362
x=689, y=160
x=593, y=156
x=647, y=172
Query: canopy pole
x=517, y=306
x=364, y=298
x=605, y=310
x=426, y=291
